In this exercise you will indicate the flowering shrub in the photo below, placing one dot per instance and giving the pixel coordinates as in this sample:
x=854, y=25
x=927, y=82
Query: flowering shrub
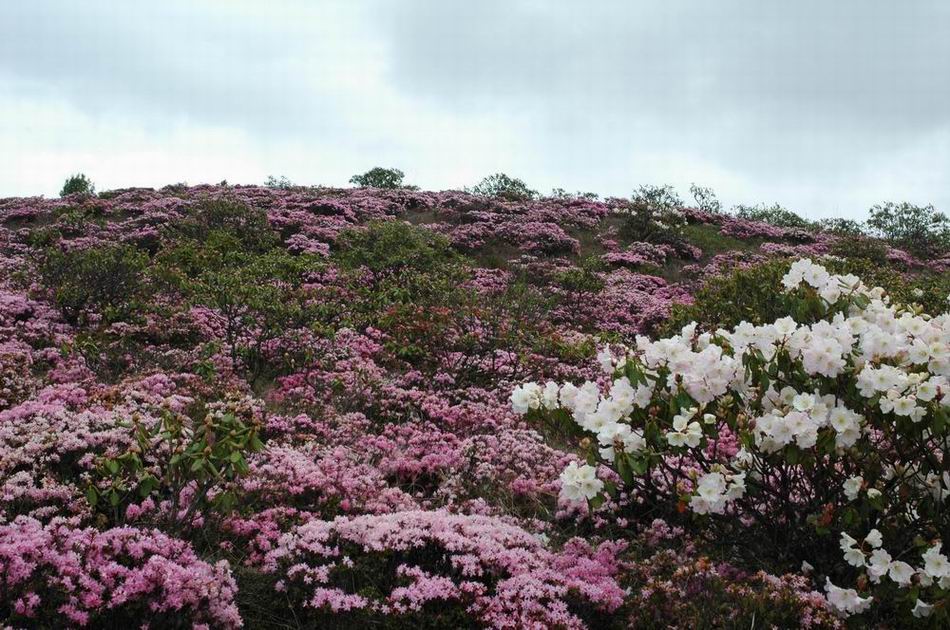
x=289, y=406
x=654, y=214
x=786, y=436
x=450, y=567
x=674, y=585
x=181, y=459
x=57, y=575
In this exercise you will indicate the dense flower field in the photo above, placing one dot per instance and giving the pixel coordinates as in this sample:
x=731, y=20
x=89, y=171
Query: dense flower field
x=227, y=406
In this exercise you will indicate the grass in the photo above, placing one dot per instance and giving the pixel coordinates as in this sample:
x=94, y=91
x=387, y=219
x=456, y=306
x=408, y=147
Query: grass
x=708, y=238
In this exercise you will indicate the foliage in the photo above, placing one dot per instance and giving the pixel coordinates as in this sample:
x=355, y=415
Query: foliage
x=773, y=215
x=108, y=281
x=861, y=247
x=654, y=215
x=742, y=295
x=259, y=298
x=561, y=194
x=280, y=183
x=178, y=459
x=77, y=184
x=501, y=186
x=214, y=218
x=380, y=177
x=705, y=199
x=843, y=227
x=922, y=230
x=403, y=264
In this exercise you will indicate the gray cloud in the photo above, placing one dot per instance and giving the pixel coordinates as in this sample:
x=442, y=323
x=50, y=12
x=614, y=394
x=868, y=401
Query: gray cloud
x=765, y=87
x=824, y=106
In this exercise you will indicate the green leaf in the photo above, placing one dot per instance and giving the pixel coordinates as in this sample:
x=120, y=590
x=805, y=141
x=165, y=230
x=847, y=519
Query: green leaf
x=640, y=465
x=623, y=469
x=850, y=517
x=92, y=496
x=147, y=485
x=792, y=455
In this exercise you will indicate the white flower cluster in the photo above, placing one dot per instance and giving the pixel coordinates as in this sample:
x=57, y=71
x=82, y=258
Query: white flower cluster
x=879, y=563
x=531, y=396
x=708, y=367
x=852, y=488
x=580, y=483
x=601, y=415
x=831, y=388
x=903, y=393
x=793, y=417
x=830, y=287
x=686, y=430
x=715, y=490
x=846, y=600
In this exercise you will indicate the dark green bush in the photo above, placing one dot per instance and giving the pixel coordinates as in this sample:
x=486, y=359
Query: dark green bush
x=260, y=296
x=773, y=215
x=380, y=177
x=387, y=249
x=247, y=226
x=43, y=237
x=921, y=230
x=77, y=184
x=654, y=214
x=861, y=247
x=501, y=186
x=109, y=280
x=743, y=295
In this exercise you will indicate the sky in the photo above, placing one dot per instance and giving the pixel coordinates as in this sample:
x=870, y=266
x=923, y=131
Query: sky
x=824, y=107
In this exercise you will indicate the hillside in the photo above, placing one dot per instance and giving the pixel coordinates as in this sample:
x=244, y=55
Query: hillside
x=292, y=407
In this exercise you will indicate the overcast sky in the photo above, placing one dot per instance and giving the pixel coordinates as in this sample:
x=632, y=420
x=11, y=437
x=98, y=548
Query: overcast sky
x=824, y=107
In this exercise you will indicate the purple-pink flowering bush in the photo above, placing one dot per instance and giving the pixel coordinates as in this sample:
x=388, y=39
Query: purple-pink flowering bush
x=450, y=568
x=59, y=574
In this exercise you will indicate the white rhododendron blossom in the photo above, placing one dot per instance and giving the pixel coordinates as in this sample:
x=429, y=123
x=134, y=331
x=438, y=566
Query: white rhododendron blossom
x=579, y=483
x=526, y=397
x=852, y=486
x=922, y=609
x=839, y=408
x=715, y=490
x=846, y=601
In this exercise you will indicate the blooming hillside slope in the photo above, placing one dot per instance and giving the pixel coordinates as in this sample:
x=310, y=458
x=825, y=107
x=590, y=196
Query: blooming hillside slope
x=226, y=406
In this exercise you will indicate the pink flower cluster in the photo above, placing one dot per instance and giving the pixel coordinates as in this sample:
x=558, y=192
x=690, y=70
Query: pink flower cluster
x=59, y=574
x=498, y=573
